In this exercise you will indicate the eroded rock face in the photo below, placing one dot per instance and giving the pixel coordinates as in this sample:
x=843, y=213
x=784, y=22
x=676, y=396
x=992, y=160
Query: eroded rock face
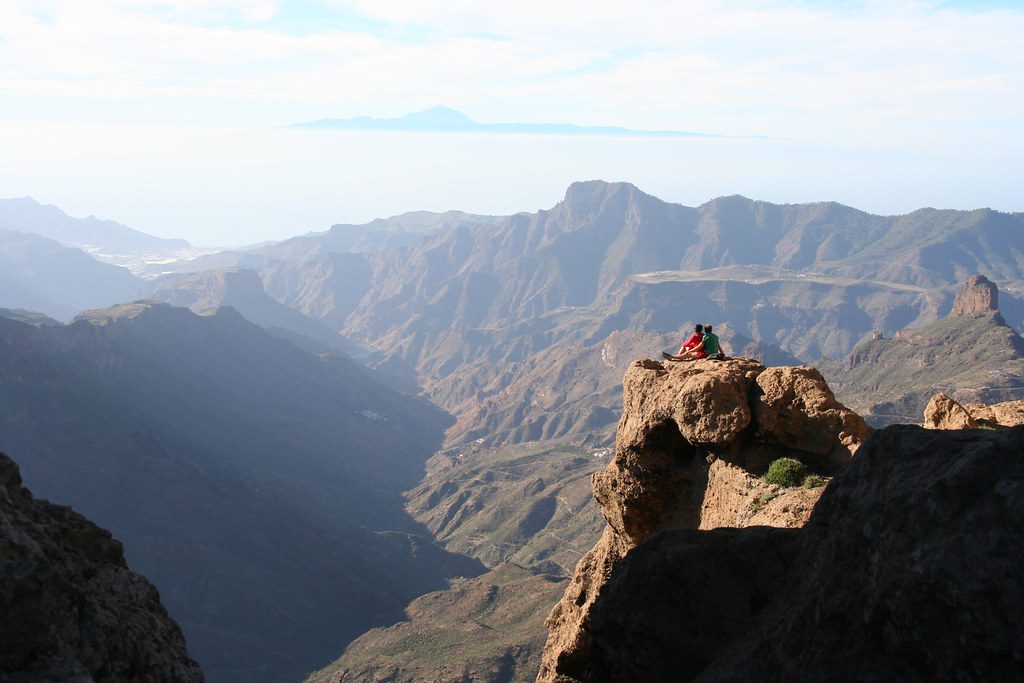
x=71, y=609
x=736, y=498
x=798, y=410
x=979, y=295
x=693, y=439
x=907, y=571
x=943, y=412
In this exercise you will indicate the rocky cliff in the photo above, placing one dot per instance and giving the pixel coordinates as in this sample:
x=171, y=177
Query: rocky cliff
x=905, y=569
x=71, y=608
x=691, y=443
x=979, y=295
x=908, y=570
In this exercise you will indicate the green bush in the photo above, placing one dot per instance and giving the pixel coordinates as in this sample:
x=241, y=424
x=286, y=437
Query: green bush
x=786, y=472
x=813, y=481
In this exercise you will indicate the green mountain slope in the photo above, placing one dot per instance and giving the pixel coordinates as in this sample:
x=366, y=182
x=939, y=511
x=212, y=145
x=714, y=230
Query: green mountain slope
x=530, y=504
x=487, y=629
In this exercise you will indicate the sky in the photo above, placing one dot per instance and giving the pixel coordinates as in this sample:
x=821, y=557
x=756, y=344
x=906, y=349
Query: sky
x=169, y=116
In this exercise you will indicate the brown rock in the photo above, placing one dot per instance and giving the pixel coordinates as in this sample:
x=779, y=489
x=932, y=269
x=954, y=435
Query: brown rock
x=692, y=440
x=979, y=295
x=70, y=609
x=736, y=498
x=943, y=412
x=1009, y=413
x=980, y=412
x=798, y=409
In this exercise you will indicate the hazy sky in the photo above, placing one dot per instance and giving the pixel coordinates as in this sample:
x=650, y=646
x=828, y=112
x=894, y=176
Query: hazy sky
x=166, y=115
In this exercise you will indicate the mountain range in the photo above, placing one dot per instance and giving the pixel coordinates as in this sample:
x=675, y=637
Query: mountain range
x=106, y=240
x=40, y=274
x=247, y=419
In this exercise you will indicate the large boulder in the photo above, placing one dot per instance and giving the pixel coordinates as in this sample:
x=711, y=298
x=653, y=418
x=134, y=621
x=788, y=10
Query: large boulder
x=943, y=412
x=70, y=609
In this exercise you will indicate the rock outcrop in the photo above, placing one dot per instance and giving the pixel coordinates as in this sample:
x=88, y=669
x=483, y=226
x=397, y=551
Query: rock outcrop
x=979, y=295
x=972, y=354
x=71, y=609
x=943, y=412
x=691, y=443
x=907, y=570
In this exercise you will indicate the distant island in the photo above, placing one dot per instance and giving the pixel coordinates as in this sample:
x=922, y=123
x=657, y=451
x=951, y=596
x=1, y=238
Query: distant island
x=442, y=119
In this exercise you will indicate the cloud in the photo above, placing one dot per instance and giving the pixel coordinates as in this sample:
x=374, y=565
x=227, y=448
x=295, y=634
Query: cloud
x=920, y=75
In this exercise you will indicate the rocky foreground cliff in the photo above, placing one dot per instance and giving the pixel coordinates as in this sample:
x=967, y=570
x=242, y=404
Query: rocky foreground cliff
x=70, y=609
x=907, y=568
x=691, y=444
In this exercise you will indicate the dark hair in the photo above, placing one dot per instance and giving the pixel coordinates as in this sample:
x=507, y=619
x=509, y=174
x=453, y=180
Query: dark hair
x=707, y=329
x=699, y=328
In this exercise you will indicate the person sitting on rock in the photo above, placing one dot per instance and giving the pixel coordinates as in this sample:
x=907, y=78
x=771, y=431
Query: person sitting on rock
x=709, y=347
x=694, y=340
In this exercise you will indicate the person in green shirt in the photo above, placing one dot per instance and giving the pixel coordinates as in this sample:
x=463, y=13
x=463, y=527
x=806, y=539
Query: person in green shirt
x=709, y=347
x=712, y=347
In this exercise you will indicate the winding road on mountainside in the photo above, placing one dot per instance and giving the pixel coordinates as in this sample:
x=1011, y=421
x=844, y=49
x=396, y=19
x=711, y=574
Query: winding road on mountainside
x=757, y=275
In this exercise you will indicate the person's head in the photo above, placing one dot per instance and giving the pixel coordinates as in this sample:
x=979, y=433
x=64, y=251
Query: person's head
x=699, y=328
x=707, y=329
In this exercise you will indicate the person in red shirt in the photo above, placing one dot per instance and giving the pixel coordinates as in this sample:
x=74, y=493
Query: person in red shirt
x=691, y=343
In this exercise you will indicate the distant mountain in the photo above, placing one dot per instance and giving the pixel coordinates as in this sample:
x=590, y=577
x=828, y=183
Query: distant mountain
x=242, y=289
x=582, y=258
x=28, y=317
x=971, y=355
x=485, y=311
x=477, y=308
x=443, y=119
x=40, y=274
x=106, y=240
x=257, y=485
x=404, y=230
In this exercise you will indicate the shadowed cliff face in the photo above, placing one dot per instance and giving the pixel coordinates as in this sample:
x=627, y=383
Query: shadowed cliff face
x=907, y=570
x=692, y=439
x=70, y=609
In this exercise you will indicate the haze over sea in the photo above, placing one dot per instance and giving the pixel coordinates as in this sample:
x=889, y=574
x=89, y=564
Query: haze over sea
x=235, y=185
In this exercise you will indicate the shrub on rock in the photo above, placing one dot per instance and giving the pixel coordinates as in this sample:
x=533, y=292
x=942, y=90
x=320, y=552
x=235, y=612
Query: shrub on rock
x=786, y=472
